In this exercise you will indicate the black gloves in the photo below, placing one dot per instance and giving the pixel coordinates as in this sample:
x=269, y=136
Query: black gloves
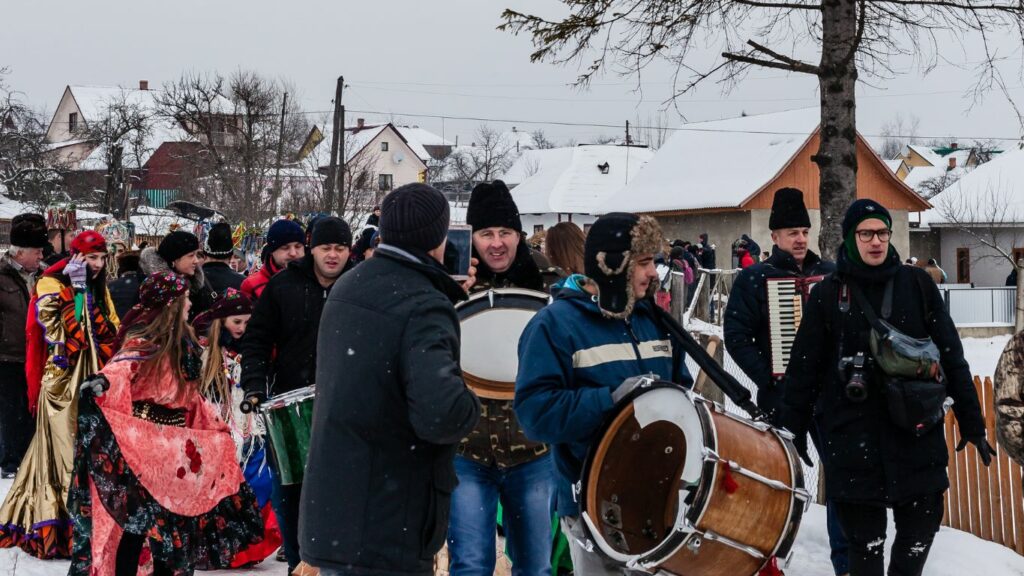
x=252, y=401
x=985, y=450
x=800, y=443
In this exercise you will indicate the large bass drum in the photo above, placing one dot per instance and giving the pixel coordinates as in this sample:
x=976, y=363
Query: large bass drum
x=492, y=322
x=288, y=418
x=679, y=485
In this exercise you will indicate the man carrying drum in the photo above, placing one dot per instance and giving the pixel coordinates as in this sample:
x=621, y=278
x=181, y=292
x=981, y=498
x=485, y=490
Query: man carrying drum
x=497, y=462
x=580, y=356
x=279, y=348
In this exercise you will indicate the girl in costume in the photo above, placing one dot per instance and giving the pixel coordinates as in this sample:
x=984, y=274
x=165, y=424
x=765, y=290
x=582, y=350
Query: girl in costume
x=71, y=328
x=220, y=329
x=154, y=462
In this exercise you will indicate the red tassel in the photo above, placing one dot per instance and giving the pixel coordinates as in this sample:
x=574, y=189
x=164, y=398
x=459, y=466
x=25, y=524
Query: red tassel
x=771, y=568
x=729, y=483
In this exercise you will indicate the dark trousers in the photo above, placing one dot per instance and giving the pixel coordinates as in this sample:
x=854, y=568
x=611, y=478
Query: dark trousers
x=284, y=499
x=836, y=538
x=917, y=521
x=16, y=426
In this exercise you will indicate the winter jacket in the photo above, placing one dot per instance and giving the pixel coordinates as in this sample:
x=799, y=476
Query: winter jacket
x=391, y=407
x=498, y=439
x=752, y=247
x=199, y=291
x=220, y=277
x=936, y=273
x=869, y=458
x=707, y=255
x=746, y=261
x=1011, y=278
x=254, y=284
x=14, y=297
x=125, y=291
x=746, y=328
x=279, y=346
x=571, y=358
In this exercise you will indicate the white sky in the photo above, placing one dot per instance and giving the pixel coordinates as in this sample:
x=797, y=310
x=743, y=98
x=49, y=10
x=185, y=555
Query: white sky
x=431, y=57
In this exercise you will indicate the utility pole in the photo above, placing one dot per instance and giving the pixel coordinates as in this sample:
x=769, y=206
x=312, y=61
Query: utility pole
x=336, y=134
x=280, y=152
x=629, y=139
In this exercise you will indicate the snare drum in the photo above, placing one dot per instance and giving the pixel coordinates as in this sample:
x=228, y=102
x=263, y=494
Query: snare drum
x=492, y=322
x=289, y=421
x=677, y=484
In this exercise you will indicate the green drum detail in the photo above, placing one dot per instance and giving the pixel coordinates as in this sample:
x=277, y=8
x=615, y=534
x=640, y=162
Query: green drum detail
x=289, y=421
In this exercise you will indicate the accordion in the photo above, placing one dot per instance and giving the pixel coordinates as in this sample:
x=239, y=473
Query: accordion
x=786, y=297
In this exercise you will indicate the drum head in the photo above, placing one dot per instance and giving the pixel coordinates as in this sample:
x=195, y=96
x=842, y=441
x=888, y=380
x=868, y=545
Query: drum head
x=641, y=480
x=492, y=323
x=291, y=397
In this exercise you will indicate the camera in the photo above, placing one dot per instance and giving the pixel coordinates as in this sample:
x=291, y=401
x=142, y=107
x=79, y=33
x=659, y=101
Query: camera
x=854, y=368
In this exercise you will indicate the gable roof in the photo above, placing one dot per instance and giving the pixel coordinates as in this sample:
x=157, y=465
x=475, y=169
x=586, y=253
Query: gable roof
x=926, y=153
x=571, y=182
x=414, y=137
x=530, y=162
x=992, y=193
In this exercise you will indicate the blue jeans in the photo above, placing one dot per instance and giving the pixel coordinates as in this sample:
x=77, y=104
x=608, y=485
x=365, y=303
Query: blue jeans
x=526, y=492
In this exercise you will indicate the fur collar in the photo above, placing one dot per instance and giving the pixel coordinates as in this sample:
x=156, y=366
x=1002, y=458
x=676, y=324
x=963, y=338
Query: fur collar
x=150, y=261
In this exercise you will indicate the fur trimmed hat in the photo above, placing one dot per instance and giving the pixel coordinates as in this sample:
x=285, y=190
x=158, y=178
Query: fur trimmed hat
x=29, y=231
x=608, y=254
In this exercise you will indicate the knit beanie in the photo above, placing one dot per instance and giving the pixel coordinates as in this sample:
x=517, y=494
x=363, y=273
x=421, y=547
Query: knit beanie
x=284, y=232
x=414, y=216
x=219, y=243
x=177, y=244
x=491, y=205
x=788, y=210
x=607, y=257
x=29, y=231
x=330, y=230
x=858, y=212
x=88, y=242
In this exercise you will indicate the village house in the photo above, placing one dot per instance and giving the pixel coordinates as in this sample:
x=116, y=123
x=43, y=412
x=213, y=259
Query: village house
x=720, y=177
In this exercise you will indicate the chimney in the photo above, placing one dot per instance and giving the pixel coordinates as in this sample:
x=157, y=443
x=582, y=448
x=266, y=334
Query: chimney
x=952, y=162
x=360, y=123
x=143, y=84
x=953, y=145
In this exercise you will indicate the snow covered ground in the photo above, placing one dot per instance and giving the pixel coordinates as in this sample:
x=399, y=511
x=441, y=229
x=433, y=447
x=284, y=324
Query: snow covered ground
x=955, y=553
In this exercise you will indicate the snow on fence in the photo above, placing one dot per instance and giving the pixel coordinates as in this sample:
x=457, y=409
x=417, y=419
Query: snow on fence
x=986, y=502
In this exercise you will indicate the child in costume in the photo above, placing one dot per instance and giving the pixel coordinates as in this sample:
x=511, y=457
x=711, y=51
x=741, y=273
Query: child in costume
x=220, y=330
x=71, y=328
x=154, y=463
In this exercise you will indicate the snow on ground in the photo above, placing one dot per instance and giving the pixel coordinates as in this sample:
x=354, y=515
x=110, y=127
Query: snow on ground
x=955, y=553
x=983, y=353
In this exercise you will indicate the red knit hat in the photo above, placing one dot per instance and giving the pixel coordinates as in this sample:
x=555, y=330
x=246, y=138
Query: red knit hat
x=88, y=242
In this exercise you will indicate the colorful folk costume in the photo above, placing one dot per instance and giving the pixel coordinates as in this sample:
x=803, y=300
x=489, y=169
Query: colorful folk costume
x=222, y=367
x=71, y=328
x=154, y=463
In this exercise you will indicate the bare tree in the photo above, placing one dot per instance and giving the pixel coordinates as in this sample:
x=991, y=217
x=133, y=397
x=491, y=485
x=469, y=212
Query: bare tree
x=995, y=224
x=361, y=190
x=853, y=37
x=653, y=130
x=540, y=140
x=932, y=186
x=489, y=157
x=897, y=133
x=237, y=123
x=27, y=171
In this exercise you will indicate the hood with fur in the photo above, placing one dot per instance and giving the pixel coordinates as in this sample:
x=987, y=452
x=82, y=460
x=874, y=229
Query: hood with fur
x=150, y=261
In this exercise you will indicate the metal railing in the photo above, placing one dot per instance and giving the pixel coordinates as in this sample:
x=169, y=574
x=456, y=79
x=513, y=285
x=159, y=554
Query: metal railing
x=980, y=305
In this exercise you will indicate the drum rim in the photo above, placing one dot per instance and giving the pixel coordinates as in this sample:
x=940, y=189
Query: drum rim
x=675, y=539
x=291, y=397
x=473, y=305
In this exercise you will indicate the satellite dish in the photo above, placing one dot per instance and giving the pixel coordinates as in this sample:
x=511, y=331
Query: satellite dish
x=398, y=157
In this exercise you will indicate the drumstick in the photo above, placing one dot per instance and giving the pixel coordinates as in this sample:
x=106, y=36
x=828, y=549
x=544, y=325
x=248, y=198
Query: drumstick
x=725, y=381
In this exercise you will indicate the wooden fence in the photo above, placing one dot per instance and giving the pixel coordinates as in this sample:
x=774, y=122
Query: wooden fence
x=986, y=502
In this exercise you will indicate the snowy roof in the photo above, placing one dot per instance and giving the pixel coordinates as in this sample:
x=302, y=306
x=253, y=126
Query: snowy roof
x=717, y=164
x=926, y=153
x=418, y=138
x=531, y=162
x=573, y=182
x=920, y=176
x=991, y=193
x=9, y=208
x=415, y=137
x=157, y=222
x=894, y=164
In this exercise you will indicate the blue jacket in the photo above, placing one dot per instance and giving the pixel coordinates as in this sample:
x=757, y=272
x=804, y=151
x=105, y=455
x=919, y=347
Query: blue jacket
x=571, y=358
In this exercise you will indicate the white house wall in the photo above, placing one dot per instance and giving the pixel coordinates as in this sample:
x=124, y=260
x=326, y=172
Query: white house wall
x=530, y=221
x=986, y=268
x=405, y=172
x=59, y=130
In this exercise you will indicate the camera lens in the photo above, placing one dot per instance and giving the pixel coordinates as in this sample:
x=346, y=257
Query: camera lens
x=856, y=388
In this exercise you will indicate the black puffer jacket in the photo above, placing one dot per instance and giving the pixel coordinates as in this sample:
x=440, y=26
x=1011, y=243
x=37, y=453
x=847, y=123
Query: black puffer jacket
x=747, y=330
x=279, y=346
x=868, y=458
x=391, y=407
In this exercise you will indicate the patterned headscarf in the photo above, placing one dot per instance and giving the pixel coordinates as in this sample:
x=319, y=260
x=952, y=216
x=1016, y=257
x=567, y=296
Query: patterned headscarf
x=232, y=303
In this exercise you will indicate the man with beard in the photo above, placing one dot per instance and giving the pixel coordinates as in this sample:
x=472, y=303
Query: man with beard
x=279, y=348
x=497, y=462
x=748, y=329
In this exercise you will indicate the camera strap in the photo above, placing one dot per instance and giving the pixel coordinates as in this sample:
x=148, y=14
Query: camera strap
x=869, y=312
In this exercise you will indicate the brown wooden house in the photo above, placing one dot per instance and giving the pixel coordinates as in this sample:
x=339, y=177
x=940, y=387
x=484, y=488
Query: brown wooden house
x=720, y=177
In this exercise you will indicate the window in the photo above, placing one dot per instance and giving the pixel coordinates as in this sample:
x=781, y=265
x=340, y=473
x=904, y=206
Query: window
x=538, y=228
x=383, y=146
x=73, y=121
x=385, y=182
x=963, y=265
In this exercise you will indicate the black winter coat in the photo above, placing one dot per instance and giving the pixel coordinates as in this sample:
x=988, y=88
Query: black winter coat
x=868, y=459
x=220, y=277
x=747, y=335
x=391, y=407
x=125, y=291
x=707, y=256
x=279, y=346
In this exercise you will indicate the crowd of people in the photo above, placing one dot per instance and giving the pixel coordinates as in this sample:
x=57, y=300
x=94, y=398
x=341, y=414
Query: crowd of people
x=147, y=451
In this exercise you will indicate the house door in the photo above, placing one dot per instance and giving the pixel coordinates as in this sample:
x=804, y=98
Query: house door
x=963, y=265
